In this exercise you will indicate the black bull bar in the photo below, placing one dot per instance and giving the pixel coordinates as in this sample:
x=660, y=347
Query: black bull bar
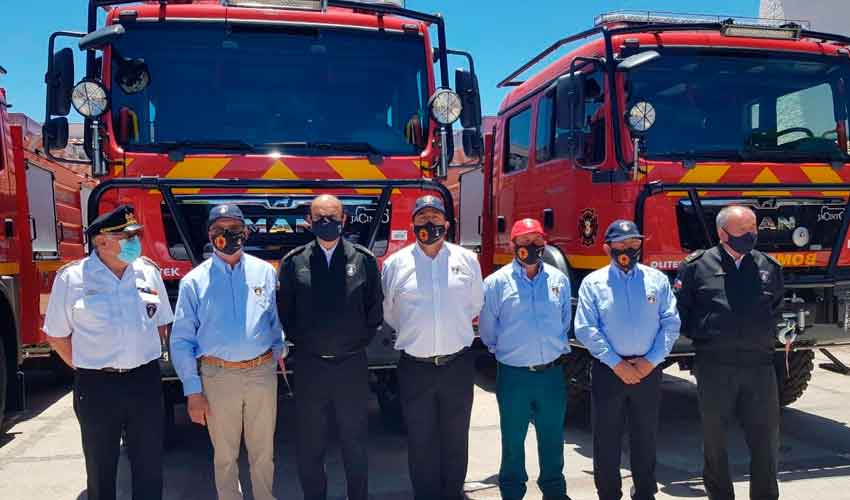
x=830, y=277
x=166, y=188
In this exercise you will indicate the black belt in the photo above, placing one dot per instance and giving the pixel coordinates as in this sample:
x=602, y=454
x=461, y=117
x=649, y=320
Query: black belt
x=110, y=369
x=339, y=357
x=440, y=360
x=556, y=362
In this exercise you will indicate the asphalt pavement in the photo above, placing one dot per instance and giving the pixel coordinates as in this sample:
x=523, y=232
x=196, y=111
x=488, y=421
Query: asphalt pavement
x=41, y=456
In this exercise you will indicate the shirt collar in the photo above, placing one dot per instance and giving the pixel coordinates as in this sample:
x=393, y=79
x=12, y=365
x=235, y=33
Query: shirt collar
x=737, y=261
x=417, y=250
x=218, y=261
x=101, y=267
x=619, y=273
x=520, y=273
x=328, y=252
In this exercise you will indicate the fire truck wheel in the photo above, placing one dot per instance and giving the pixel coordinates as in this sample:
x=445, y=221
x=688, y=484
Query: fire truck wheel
x=4, y=381
x=791, y=385
x=577, y=374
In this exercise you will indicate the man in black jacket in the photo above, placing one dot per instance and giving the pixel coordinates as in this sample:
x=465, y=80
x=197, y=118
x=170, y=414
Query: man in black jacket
x=729, y=300
x=330, y=305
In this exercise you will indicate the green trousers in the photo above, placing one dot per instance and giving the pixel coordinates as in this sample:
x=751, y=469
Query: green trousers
x=540, y=397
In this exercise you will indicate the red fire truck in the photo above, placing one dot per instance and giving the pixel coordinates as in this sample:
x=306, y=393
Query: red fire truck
x=265, y=103
x=42, y=216
x=665, y=119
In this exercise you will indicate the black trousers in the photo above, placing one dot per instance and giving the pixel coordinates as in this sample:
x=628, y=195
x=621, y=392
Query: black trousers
x=614, y=404
x=750, y=394
x=107, y=404
x=437, y=405
x=339, y=387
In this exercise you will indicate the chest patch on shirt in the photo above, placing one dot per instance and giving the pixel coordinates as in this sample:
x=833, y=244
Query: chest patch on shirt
x=557, y=291
x=651, y=298
x=455, y=269
x=350, y=269
x=765, y=276
x=151, y=310
x=259, y=291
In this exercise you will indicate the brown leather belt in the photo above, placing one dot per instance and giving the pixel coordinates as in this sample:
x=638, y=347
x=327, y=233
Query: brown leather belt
x=238, y=365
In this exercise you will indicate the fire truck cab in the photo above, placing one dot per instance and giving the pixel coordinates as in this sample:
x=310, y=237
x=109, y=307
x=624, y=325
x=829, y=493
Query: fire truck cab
x=664, y=120
x=264, y=103
x=42, y=230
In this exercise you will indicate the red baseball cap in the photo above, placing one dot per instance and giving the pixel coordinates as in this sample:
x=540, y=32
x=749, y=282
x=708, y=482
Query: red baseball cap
x=526, y=226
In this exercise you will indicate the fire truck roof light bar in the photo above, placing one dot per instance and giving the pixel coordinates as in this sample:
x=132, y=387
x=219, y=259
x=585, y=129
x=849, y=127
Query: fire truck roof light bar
x=634, y=17
x=318, y=5
x=830, y=277
x=166, y=187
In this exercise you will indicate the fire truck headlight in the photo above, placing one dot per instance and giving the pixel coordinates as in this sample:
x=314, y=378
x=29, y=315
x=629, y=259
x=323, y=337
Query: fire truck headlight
x=445, y=106
x=89, y=98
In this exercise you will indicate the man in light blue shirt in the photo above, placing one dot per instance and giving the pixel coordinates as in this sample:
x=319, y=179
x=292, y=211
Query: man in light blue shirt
x=226, y=318
x=524, y=322
x=627, y=319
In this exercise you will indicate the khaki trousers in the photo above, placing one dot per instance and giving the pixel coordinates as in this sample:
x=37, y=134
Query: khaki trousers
x=242, y=401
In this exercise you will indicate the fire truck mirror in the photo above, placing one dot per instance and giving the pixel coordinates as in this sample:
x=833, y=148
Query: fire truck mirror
x=472, y=145
x=55, y=133
x=466, y=85
x=60, y=82
x=569, y=112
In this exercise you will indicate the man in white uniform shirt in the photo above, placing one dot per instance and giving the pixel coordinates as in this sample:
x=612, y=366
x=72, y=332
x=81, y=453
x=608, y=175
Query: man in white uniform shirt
x=105, y=318
x=432, y=292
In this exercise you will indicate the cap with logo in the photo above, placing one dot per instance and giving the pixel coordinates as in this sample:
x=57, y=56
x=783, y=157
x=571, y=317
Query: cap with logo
x=120, y=220
x=620, y=230
x=429, y=201
x=226, y=211
x=526, y=226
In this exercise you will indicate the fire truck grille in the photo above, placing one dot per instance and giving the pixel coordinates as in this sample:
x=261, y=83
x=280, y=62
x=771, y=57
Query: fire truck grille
x=785, y=224
x=277, y=224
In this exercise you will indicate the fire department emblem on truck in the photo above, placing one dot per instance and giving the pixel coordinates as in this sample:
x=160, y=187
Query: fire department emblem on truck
x=588, y=226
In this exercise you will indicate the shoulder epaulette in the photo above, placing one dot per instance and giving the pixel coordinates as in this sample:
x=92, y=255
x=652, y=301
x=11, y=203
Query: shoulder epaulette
x=694, y=256
x=67, y=265
x=362, y=249
x=151, y=262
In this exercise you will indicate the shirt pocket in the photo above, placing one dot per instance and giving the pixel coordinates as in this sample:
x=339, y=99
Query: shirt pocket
x=93, y=312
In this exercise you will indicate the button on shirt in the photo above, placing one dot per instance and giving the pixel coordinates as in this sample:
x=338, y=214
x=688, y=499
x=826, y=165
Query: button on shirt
x=431, y=302
x=113, y=322
x=627, y=314
x=525, y=320
x=226, y=312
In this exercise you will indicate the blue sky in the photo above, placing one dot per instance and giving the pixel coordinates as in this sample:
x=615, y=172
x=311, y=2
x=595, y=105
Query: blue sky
x=501, y=34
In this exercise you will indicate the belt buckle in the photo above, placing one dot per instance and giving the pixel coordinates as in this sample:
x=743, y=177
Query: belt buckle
x=533, y=368
x=439, y=360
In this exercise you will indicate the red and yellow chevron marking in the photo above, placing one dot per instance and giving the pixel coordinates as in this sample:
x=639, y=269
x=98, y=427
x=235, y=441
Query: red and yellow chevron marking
x=757, y=174
x=264, y=167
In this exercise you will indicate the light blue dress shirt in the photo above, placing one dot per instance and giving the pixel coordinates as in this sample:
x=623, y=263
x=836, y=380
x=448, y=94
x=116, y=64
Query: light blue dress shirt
x=525, y=321
x=627, y=314
x=229, y=313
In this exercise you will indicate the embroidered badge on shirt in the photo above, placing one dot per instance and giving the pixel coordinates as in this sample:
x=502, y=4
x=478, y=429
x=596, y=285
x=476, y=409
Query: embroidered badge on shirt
x=151, y=309
x=557, y=291
x=350, y=269
x=456, y=269
x=765, y=276
x=651, y=298
x=258, y=291
x=677, y=285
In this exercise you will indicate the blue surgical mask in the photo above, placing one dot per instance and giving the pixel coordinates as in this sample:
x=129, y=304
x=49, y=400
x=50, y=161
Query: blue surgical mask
x=131, y=249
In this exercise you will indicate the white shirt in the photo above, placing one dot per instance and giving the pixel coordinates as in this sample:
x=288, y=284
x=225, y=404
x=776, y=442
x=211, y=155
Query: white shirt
x=113, y=323
x=329, y=253
x=431, y=302
x=738, y=260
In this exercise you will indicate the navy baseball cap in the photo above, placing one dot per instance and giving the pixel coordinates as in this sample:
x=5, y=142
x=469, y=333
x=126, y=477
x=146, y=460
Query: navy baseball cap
x=225, y=211
x=120, y=220
x=429, y=201
x=620, y=230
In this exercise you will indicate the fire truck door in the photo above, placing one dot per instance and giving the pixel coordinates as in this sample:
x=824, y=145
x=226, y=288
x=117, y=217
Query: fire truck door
x=471, y=206
x=514, y=198
x=42, y=207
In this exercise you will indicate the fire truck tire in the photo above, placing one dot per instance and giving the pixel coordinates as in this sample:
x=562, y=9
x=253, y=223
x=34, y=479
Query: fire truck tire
x=577, y=375
x=792, y=385
x=4, y=383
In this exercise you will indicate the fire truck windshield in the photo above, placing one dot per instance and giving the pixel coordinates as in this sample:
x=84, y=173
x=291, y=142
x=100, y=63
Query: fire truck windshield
x=744, y=106
x=203, y=83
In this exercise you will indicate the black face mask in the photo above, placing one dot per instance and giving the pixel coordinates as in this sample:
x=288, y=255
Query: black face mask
x=741, y=244
x=228, y=242
x=627, y=258
x=429, y=233
x=326, y=228
x=529, y=254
